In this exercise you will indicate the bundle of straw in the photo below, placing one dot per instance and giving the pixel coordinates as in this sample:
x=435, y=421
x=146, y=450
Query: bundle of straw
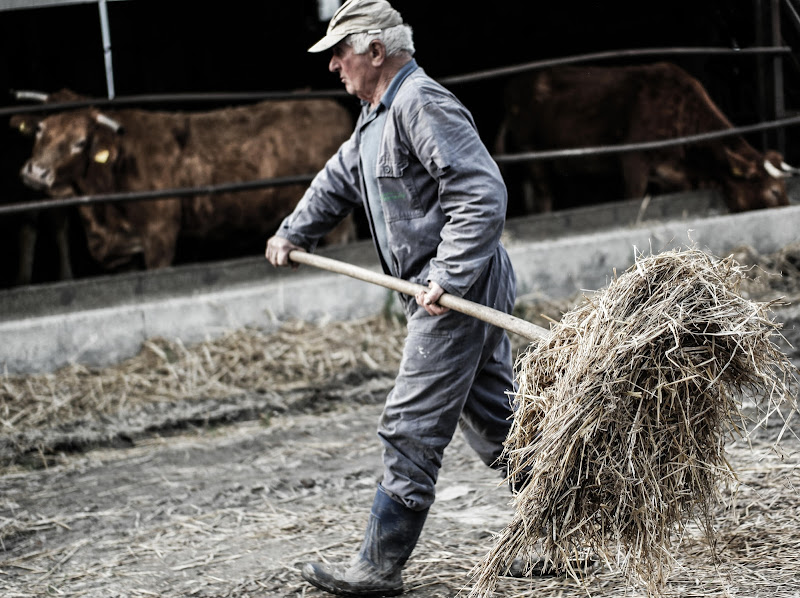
x=622, y=415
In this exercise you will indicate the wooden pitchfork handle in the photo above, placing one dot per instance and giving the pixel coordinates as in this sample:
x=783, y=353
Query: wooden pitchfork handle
x=486, y=314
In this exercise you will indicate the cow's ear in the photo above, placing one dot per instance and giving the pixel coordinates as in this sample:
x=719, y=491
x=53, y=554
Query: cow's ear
x=740, y=166
x=25, y=124
x=103, y=148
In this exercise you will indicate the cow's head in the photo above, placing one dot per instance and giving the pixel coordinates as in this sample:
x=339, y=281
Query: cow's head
x=67, y=146
x=755, y=183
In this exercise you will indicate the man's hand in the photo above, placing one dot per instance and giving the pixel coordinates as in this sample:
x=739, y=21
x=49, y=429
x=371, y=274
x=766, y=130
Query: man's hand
x=428, y=299
x=278, y=249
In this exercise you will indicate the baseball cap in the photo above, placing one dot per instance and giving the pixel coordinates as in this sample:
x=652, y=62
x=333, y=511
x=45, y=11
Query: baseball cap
x=358, y=16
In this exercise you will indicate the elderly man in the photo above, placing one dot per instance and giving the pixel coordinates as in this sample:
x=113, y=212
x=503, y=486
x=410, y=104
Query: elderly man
x=436, y=205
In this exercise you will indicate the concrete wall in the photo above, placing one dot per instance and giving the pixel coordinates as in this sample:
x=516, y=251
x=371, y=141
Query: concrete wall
x=102, y=321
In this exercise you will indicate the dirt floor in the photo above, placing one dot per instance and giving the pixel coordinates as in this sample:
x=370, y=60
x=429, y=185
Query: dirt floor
x=117, y=486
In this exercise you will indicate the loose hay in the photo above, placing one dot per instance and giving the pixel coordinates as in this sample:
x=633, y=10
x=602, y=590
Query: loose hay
x=247, y=360
x=623, y=413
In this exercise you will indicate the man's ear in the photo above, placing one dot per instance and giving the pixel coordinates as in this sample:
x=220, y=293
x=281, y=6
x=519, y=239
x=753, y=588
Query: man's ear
x=377, y=52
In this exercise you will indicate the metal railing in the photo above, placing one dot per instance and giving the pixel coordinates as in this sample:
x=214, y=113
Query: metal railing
x=613, y=55
x=15, y=208
x=646, y=145
x=36, y=205
x=84, y=200
x=255, y=96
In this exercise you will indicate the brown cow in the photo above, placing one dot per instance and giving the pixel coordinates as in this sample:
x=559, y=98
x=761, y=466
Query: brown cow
x=87, y=152
x=587, y=106
x=55, y=221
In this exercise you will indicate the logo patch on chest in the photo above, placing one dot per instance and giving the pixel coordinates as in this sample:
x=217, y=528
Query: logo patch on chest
x=392, y=196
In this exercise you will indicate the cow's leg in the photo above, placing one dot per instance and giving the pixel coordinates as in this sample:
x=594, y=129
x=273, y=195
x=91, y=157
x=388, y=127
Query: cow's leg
x=528, y=197
x=27, y=249
x=635, y=173
x=160, y=226
x=100, y=239
x=60, y=225
x=159, y=248
x=111, y=240
x=538, y=191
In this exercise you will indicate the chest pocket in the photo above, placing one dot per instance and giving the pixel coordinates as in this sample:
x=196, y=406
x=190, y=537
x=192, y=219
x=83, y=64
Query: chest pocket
x=399, y=197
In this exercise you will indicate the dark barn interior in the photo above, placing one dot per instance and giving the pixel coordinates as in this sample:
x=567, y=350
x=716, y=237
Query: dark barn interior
x=181, y=46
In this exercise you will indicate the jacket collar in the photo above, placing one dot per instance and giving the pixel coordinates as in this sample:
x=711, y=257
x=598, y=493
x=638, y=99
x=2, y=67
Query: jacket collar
x=397, y=81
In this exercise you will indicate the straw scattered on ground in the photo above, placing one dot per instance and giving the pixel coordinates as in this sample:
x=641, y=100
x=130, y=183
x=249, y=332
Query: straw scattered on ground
x=299, y=354
x=228, y=511
x=245, y=374
x=623, y=414
x=243, y=361
x=231, y=513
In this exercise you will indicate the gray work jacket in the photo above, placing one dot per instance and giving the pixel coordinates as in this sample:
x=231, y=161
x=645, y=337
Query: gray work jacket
x=443, y=198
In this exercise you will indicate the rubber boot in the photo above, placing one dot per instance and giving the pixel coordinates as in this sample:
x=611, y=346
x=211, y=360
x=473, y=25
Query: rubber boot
x=392, y=533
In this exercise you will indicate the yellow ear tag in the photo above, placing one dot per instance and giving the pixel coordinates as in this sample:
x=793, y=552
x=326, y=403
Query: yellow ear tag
x=101, y=157
x=22, y=126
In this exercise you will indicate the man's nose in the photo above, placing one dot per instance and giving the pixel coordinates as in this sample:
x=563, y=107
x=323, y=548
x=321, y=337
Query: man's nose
x=333, y=65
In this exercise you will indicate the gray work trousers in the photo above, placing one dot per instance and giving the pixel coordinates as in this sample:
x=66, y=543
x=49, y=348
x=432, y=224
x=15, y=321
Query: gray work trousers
x=455, y=371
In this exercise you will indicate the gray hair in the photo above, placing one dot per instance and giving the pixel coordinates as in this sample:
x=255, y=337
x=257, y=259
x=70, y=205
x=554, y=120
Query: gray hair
x=397, y=39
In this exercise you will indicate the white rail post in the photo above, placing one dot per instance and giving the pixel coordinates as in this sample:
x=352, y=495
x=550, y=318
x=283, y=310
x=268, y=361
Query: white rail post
x=101, y=5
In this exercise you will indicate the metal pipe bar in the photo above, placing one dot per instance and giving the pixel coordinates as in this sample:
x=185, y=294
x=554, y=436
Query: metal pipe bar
x=106, y=34
x=761, y=69
x=644, y=146
x=779, y=107
x=83, y=200
x=248, y=96
x=608, y=55
x=28, y=4
x=795, y=17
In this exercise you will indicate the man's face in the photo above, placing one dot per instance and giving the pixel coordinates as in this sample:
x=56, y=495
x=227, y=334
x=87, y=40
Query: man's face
x=355, y=71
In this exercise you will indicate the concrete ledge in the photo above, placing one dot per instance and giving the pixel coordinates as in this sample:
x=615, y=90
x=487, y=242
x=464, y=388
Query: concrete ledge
x=101, y=322
x=561, y=267
x=108, y=335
